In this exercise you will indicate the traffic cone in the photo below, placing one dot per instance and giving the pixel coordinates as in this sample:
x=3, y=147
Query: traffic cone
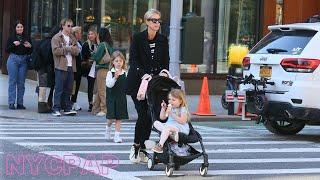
x=204, y=101
x=239, y=112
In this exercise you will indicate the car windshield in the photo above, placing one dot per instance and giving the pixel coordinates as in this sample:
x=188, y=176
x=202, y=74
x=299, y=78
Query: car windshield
x=284, y=42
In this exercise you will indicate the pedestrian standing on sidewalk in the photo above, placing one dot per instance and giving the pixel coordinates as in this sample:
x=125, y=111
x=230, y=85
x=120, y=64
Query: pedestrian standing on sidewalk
x=117, y=100
x=44, y=64
x=64, y=50
x=89, y=47
x=19, y=47
x=77, y=32
x=102, y=59
x=149, y=54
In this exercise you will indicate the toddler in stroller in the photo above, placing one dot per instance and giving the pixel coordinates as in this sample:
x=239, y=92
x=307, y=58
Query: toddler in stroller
x=174, y=124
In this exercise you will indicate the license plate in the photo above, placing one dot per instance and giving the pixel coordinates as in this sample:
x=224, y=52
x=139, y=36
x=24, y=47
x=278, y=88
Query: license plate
x=238, y=96
x=265, y=71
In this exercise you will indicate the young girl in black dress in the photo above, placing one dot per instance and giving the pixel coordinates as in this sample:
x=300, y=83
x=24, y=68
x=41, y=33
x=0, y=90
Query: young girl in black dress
x=116, y=96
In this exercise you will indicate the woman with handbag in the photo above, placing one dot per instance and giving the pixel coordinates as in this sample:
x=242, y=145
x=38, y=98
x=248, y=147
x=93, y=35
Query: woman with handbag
x=19, y=46
x=102, y=59
x=88, y=48
x=149, y=55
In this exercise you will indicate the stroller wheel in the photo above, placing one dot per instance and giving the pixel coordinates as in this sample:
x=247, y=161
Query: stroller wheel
x=203, y=170
x=169, y=171
x=150, y=164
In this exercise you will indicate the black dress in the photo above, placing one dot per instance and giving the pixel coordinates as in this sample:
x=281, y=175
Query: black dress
x=117, y=100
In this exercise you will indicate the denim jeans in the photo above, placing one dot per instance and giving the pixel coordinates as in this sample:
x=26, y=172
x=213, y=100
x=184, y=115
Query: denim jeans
x=17, y=70
x=63, y=89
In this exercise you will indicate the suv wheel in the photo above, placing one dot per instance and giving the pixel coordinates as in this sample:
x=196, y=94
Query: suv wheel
x=283, y=127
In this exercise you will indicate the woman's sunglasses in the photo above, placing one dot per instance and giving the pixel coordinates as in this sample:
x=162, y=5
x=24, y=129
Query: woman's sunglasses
x=155, y=20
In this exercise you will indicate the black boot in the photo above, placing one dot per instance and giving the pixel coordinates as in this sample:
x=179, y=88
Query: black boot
x=11, y=106
x=20, y=106
x=43, y=107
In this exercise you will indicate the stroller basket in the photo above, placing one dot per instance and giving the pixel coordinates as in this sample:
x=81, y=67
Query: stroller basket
x=178, y=160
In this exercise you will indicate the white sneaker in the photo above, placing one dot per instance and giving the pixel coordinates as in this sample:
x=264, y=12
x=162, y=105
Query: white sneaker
x=108, y=133
x=174, y=136
x=100, y=114
x=56, y=113
x=149, y=144
x=117, y=139
x=76, y=107
x=134, y=154
x=143, y=157
x=70, y=113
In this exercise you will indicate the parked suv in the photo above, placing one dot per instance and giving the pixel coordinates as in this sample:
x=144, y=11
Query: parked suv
x=289, y=56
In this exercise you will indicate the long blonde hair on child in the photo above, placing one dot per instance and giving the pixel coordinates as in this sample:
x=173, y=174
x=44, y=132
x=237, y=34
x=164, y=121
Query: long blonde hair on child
x=180, y=95
x=116, y=54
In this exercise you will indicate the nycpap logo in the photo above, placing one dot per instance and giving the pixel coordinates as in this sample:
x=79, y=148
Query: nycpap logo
x=57, y=165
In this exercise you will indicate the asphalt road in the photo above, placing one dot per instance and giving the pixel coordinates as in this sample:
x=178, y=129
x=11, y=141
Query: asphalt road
x=76, y=149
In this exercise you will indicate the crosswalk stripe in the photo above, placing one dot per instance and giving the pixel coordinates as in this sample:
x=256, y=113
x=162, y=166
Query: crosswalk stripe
x=57, y=123
x=80, y=162
x=103, y=138
x=229, y=172
x=216, y=151
x=130, y=143
x=241, y=161
x=90, y=132
x=52, y=130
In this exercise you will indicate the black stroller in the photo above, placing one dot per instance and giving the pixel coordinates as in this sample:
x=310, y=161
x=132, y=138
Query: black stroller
x=158, y=90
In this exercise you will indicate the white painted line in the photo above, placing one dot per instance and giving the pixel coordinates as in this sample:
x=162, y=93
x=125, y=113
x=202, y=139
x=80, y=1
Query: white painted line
x=218, y=151
x=84, y=133
x=242, y=161
x=229, y=172
x=82, y=163
x=130, y=143
x=103, y=138
x=57, y=123
x=62, y=129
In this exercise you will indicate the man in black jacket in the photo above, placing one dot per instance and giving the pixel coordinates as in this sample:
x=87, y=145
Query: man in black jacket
x=149, y=54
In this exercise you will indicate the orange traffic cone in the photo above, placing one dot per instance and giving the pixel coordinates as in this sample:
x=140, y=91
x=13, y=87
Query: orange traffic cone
x=239, y=112
x=204, y=101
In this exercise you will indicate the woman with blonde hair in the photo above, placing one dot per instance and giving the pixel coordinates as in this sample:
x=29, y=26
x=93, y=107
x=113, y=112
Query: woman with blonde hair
x=87, y=48
x=149, y=54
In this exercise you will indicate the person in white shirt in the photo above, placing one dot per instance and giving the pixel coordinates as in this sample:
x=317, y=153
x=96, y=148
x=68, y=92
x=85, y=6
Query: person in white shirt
x=64, y=50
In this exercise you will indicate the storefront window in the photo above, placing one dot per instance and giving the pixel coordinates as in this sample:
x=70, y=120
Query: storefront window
x=206, y=9
x=236, y=25
x=44, y=15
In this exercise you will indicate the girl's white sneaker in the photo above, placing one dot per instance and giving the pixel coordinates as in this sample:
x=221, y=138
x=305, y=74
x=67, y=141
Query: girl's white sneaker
x=108, y=133
x=117, y=139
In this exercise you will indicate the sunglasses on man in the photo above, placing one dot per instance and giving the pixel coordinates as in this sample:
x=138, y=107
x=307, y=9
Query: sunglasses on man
x=155, y=20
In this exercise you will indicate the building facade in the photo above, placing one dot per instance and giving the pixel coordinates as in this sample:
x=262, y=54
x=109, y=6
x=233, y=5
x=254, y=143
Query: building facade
x=226, y=22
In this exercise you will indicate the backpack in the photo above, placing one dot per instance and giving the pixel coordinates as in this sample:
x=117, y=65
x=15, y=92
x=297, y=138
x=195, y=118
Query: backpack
x=34, y=57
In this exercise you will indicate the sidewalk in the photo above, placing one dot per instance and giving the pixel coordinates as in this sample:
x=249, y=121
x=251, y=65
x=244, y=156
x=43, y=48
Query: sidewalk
x=31, y=103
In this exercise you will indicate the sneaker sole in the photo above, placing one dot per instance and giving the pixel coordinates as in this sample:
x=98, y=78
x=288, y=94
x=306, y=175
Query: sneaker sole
x=70, y=114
